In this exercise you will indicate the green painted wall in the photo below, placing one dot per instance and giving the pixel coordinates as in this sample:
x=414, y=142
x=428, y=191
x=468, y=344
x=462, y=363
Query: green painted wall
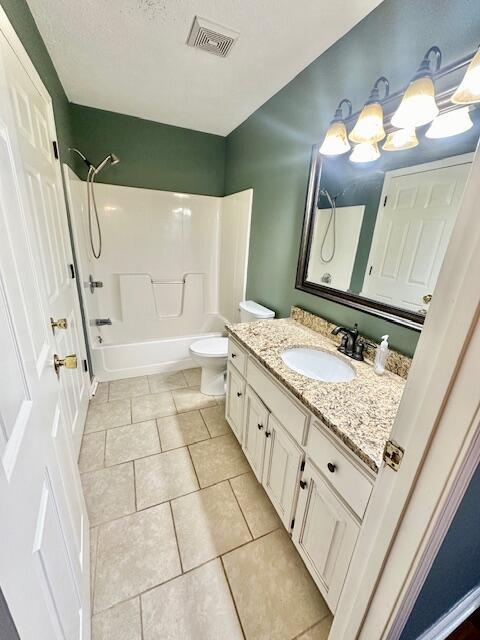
x=22, y=21
x=153, y=155
x=270, y=151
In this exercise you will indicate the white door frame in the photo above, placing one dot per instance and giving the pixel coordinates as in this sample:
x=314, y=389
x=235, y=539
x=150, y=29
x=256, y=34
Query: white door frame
x=438, y=425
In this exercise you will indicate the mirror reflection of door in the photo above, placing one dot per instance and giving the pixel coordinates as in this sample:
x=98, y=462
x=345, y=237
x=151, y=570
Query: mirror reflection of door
x=415, y=219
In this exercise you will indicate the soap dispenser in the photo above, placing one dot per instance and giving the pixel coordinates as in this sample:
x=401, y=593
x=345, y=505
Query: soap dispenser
x=381, y=356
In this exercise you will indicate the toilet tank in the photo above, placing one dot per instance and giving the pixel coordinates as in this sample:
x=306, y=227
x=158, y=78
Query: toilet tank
x=251, y=311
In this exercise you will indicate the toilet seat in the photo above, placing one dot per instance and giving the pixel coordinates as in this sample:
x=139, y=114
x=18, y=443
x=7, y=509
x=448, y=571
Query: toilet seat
x=210, y=347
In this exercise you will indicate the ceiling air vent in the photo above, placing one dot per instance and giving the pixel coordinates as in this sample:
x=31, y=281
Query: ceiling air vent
x=211, y=37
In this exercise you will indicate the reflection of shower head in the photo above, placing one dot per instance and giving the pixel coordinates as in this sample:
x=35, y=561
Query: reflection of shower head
x=111, y=158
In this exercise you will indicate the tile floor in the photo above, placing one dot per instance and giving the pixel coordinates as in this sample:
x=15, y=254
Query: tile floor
x=184, y=542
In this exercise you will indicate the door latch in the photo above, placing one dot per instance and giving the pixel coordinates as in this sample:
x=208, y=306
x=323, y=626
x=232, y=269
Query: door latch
x=393, y=455
x=69, y=362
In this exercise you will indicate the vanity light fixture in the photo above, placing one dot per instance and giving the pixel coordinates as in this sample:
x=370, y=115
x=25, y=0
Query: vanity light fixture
x=365, y=152
x=418, y=105
x=400, y=139
x=468, y=91
x=450, y=123
x=336, y=140
x=369, y=126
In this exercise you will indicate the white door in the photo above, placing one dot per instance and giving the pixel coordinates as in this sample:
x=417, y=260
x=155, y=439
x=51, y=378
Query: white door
x=234, y=402
x=325, y=533
x=255, y=425
x=413, y=227
x=44, y=570
x=281, y=469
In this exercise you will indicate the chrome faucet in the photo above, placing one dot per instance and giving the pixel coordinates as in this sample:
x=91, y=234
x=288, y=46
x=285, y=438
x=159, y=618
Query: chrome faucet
x=349, y=340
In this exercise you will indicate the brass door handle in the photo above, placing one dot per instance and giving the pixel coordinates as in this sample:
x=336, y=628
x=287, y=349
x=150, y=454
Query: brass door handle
x=61, y=323
x=427, y=298
x=69, y=362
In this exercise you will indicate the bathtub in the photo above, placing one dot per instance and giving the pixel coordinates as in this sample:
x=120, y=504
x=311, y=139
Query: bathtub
x=116, y=361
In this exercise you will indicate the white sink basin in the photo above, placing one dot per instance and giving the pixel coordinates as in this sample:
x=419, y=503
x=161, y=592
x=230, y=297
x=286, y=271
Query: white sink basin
x=318, y=365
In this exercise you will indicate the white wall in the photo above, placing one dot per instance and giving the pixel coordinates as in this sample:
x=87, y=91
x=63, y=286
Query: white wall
x=234, y=241
x=171, y=264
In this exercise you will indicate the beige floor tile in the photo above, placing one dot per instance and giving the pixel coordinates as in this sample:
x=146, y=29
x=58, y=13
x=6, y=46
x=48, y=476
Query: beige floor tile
x=101, y=393
x=259, y=513
x=93, y=557
x=190, y=399
x=193, y=376
x=133, y=441
x=182, y=429
x=109, y=493
x=320, y=631
x=155, y=405
x=164, y=477
x=218, y=459
x=135, y=553
x=106, y=415
x=128, y=388
x=166, y=381
x=273, y=591
x=215, y=420
x=121, y=622
x=195, y=606
x=92, y=452
x=208, y=523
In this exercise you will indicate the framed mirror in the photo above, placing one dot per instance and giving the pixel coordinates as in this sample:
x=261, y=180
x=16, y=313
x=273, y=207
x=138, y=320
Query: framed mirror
x=375, y=233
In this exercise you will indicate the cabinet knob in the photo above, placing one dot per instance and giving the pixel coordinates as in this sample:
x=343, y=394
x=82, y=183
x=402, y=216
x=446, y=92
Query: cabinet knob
x=331, y=467
x=234, y=355
x=303, y=484
x=239, y=394
x=267, y=434
x=260, y=426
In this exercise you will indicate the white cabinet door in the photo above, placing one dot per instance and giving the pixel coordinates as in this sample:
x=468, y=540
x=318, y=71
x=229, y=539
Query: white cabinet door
x=234, y=401
x=281, y=469
x=325, y=534
x=254, y=427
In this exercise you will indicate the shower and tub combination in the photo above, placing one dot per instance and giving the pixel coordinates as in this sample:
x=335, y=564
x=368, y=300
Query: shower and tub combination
x=160, y=270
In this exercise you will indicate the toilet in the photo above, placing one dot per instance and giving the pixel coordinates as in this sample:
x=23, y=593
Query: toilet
x=211, y=353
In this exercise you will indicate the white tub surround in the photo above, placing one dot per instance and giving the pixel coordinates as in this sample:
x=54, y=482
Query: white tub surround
x=173, y=268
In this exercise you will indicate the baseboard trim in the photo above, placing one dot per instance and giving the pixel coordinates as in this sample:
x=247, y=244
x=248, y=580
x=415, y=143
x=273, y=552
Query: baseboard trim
x=454, y=617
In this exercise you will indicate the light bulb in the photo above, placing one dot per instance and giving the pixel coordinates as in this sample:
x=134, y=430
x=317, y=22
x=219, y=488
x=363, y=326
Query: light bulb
x=336, y=141
x=469, y=90
x=400, y=140
x=365, y=152
x=418, y=106
x=450, y=124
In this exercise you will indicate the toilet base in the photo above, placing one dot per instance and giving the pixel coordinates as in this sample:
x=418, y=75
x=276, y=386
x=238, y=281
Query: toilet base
x=213, y=382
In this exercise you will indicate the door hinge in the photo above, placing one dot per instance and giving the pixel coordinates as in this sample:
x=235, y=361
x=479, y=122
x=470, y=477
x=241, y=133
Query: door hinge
x=393, y=455
x=385, y=201
x=72, y=270
x=55, y=149
x=85, y=366
x=302, y=466
x=292, y=524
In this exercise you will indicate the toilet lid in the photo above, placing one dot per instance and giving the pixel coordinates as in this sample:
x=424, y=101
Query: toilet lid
x=210, y=347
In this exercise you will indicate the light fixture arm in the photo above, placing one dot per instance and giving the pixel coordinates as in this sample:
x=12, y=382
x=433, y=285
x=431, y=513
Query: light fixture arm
x=339, y=110
x=375, y=92
x=425, y=68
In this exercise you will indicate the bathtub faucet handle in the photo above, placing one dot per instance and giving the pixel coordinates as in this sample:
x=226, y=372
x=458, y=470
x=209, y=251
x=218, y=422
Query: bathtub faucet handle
x=93, y=284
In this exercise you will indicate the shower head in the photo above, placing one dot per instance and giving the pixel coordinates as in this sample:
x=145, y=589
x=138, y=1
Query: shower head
x=111, y=158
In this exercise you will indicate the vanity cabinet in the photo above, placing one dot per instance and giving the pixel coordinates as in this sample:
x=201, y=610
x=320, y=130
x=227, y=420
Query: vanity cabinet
x=234, y=401
x=325, y=533
x=319, y=488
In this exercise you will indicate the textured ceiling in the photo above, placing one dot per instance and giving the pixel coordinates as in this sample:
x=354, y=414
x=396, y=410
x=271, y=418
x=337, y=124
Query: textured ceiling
x=130, y=56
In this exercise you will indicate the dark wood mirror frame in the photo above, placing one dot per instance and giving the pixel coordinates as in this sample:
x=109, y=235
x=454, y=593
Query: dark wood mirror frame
x=447, y=79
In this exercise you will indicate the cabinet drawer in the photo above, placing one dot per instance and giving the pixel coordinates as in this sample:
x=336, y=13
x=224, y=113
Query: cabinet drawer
x=237, y=356
x=343, y=473
x=294, y=419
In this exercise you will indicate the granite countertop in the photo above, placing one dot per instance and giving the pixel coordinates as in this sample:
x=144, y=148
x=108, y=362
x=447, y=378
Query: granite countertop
x=360, y=412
